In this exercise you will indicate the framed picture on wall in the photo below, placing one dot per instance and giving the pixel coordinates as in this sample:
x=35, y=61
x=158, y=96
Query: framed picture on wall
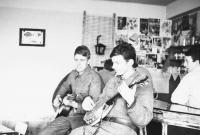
x=32, y=37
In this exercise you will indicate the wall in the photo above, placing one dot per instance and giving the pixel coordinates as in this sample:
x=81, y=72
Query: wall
x=180, y=6
x=29, y=75
x=91, y=6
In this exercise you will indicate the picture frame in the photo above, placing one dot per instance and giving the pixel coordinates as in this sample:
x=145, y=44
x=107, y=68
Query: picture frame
x=32, y=37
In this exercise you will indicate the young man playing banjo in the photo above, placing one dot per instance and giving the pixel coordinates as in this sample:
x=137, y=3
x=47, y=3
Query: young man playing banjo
x=132, y=108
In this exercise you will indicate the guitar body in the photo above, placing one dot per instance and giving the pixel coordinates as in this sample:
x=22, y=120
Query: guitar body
x=66, y=106
x=63, y=111
x=97, y=113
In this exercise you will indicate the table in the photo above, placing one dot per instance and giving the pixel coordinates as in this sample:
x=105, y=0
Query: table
x=177, y=115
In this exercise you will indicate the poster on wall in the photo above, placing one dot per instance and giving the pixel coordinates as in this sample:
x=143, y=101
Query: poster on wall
x=157, y=45
x=121, y=23
x=157, y=41
x=154, y=27
x=176, y=29
x=121, y=37
x=144, y=35
x=133, y=25
x=151, y=60
x=166, y=43
x=145, y=43
x=127, y=23
x=32, y=37
x=133, y=33
x=134, y=38
x=144, y=26
x=165, y=28
x=121, y=34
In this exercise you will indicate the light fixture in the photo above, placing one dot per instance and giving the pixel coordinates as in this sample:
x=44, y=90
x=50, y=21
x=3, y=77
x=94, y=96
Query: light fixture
x=99, y=48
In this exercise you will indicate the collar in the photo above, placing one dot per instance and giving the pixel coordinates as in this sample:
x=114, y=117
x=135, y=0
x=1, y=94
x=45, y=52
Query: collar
x=87, y=69
x=128, y=74
x=197, y=68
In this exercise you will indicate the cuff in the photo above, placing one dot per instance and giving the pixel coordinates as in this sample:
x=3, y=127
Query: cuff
x=74, y=104
x=131, y=105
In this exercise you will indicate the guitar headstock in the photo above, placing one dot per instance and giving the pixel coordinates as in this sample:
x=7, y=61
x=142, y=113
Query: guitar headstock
x=139, y=79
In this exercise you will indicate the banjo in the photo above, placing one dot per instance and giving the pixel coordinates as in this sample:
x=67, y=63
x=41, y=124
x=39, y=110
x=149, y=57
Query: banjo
x=103, y=107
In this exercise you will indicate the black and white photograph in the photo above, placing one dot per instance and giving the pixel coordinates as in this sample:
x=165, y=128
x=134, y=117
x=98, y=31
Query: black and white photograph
x=165, y=28
x=154, y=27
x=144, y=26
x=99, y=67
x=31, y=37
x=122, y=23
x=133, y=24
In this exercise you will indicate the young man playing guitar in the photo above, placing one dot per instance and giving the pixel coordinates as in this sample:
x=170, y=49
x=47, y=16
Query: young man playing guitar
x=132, y=109
x=80, y=83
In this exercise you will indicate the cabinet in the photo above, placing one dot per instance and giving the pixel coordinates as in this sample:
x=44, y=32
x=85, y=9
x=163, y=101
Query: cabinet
x=186, y=27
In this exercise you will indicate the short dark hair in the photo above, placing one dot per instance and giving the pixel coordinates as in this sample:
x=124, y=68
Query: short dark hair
x=126, y=50
x=194, y=52
x=83, y=50
x=108, y=64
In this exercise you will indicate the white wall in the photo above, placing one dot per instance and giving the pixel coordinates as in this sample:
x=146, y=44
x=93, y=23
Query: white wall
x=180, y=6
x=91, y=6
x=29, y=75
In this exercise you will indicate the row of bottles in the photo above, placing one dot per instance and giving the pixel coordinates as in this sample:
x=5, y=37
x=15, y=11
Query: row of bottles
x=179, y=56
x=191, y=41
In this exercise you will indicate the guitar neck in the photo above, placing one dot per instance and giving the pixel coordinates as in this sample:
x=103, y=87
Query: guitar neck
x=140, y=80
x=110, y=101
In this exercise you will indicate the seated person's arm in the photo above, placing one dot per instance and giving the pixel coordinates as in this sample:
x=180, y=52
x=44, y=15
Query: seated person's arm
x=96, y=87
x=141, y=110
x=95, y=90
x=181, y=93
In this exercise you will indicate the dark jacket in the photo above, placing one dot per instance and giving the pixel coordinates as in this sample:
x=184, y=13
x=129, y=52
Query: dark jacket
x=89, y=83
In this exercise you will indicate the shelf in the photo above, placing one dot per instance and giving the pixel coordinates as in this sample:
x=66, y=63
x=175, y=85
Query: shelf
x=177, y=60
x=179, y=48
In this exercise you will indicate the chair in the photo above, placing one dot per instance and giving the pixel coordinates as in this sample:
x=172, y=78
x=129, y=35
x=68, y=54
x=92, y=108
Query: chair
x=58, y=88
x=21, y=128
x=142, y=131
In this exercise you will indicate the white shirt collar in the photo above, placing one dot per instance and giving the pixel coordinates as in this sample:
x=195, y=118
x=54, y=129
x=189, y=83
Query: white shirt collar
x=128, y=74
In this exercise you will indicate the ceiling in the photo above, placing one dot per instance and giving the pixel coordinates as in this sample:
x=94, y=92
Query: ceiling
x=152, y=2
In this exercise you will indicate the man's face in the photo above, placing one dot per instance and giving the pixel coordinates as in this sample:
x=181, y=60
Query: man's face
x=189, y=63
x=81, y=62
x=120, y=65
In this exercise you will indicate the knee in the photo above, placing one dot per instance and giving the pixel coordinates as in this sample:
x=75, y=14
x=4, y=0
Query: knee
x=41, y=133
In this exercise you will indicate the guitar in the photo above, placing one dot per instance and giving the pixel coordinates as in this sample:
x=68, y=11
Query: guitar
x=63, y=111
x=102, y=107
x=64, y=108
